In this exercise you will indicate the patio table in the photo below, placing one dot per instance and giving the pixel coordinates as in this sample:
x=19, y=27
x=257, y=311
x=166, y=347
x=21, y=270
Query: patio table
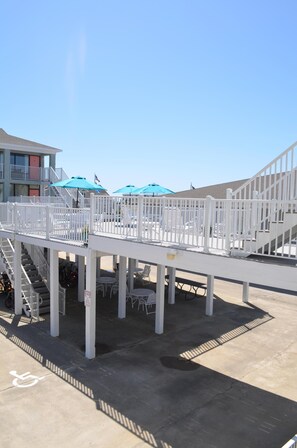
x=140, y=294
x=106, y=282
x=194, y=286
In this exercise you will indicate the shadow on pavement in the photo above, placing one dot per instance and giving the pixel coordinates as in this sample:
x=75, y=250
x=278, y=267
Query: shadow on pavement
x=149, y=384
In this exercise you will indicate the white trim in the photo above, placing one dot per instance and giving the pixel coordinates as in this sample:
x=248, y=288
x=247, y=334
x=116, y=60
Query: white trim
x=47, y=150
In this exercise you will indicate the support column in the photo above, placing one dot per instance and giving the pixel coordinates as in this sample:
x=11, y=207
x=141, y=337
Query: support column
x=209, y=297
x=6, y=185
x=159, y=322
x=81, y=278
x=114, y=262
x=90, y=305
x=52, y=161
x=17, y=268
x=122, y=288
x=54, y=292
x=245, y=292
x=98, y=267
x=171, y=286
x=131, y=268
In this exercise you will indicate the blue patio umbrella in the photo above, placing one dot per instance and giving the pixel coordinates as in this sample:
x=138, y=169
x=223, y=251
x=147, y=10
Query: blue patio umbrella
x=127, y=190
x=80, y=183
x=153, y=190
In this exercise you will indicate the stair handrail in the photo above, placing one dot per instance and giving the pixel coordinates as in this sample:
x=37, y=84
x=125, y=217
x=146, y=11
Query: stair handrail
x=277, y=180
x=276, y=214
x=69, y=196
x=61, y=192
x=32, y=304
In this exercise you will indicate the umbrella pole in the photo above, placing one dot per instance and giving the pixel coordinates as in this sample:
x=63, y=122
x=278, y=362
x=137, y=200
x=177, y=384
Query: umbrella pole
x=77, y=198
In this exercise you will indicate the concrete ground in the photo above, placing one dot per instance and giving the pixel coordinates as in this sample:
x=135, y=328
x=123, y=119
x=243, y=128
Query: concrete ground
x=223, y=381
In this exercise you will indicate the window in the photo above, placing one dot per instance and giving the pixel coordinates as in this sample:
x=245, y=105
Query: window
x=19, y=159
x=19, y=166
x=19, y=190
x=34, y=190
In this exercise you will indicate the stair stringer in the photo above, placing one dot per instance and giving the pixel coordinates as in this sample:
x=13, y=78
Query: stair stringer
x=30, y=297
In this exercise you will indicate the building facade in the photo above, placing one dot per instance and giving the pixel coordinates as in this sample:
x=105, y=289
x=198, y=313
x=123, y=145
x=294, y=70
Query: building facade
x=25, y=166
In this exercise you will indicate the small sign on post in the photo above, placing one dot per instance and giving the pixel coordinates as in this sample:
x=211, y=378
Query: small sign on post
x=88, y=298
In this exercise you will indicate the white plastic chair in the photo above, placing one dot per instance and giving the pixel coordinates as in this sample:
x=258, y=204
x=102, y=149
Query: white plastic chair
x=115, y=288
x=144, y=274
x=100, y=287
x=128, y=220
x=147, y=302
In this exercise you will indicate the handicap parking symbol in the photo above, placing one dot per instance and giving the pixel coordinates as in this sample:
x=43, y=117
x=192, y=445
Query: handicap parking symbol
x=25, y=379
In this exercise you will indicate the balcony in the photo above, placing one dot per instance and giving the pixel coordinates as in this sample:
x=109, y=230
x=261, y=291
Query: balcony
x=28, y=173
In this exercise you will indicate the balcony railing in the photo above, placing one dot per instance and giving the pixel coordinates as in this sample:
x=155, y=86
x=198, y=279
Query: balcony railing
x=229, y=226
x=27, y=173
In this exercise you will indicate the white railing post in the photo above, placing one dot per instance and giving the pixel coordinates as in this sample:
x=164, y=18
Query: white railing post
x=92, y=213
x=139, y=217
x=14, y=213
x=228, y=218
x=208, y=205
x=292, y=194
x=48, y=229
x=254, y=214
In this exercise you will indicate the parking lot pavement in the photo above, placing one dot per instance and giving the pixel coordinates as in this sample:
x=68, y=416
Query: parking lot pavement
x=222, y=381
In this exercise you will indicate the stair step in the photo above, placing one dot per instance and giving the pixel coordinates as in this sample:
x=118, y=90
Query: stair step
x=26, y=261
x=31, y=269
x=41, y=290
x=35, y=278
x=44, y=310
x=38, y=278
x=45, y=302
x=38, y=285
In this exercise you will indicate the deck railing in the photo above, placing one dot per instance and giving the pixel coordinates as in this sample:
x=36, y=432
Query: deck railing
x=239, y=227
x=40, y=200
x=277, y=180
x=291, y=443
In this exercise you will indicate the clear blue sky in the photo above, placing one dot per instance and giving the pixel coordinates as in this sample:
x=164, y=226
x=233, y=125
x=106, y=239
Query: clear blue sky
x=165, y=91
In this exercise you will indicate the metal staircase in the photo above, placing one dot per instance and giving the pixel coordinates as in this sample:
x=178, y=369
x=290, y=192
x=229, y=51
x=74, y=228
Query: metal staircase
x=34, y=290
x=30, y=297
x=39, y=260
